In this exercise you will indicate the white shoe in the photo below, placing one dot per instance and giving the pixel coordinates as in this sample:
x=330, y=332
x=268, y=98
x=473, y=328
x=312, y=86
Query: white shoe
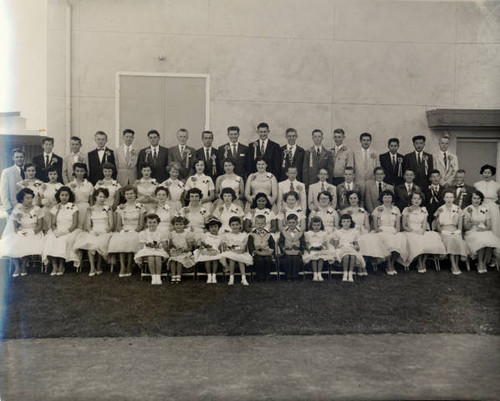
x=350, y=277
x=214, y=278
x=91, y=274
x=244, y=280
x=320, y=277
x=344, y=277
x=315, y=276
x=209, y=278
x=231, y=280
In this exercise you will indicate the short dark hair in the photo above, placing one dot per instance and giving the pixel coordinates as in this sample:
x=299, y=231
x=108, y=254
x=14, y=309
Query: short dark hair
x=316, y=130
x=460, y=170
x=101, y=190
x=478, y=193
x=263, y=125
x=127, y=188
x=145, y=165
x=128, y=131
x=28, y=165
x=418, y=137
x=409, y=169
x=257, y=197
x=365, y=135
x=229, y=160
x=80, y=165
x=353, y=191
x=51, y=169
x=349, y=168
x=76, y=138
x=64, y=188
x=434, y=171
x=233, y=219
x=386, y=192
x=152, y=216
x=100, y=133
x=292, y=216
x=393, y=140
x=153, y=132
x=449, y=191
x=228, y=190
x=233, y=128
x=17, y=150
x=194, y=191
x=179, y=219
x=288, y=130
x=377, y=169
x=346, y=216
x=316, y=219
x=47, y=139
x=107, y=166
x=339, y=131
x=419, y=193
x=295, y=194
x=207, y=132
x=22, y=193
x=327, y=193
x=161, y=188
x=488, y=167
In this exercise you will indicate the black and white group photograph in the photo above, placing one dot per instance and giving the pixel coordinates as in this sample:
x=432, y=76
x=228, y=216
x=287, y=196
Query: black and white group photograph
x=249, y=200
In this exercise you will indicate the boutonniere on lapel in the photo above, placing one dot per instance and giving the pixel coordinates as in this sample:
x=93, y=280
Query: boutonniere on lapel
x=255, y=147
x=426, y=164
x=450, y=158
x=380, y=209
x=287, y=154
x=147, y=151
x=482, y=210
x=226, y=150
x=80, y=159
x=373, y=156
x=254, y=176
x=53, y=161
x=400, y=166
x=187, y=155
x=361, y=210
x=37, y=184
x=205, y=181
x=18, y=216
x=193, y=178
x=138, y=206
x=133, y=152
x=298, y=188
x=73, y=184
x=203, y=212
x=269, y=176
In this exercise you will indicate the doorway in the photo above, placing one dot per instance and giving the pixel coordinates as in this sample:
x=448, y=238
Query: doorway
x=473, y=152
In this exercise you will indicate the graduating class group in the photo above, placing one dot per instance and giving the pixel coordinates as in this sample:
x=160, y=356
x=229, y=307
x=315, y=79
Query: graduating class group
x=258, y=206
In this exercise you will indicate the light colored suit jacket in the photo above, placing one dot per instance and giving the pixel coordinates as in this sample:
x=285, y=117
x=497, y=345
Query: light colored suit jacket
x=315, y=189
x=8, y=189
x=126, y=171
x=364, y=168
x=341, y=160
x=447, y=172
x=299, y=187
x=68, y=161
x=371, y=194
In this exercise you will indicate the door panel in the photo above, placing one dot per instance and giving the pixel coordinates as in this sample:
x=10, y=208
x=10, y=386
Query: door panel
x=472, y=154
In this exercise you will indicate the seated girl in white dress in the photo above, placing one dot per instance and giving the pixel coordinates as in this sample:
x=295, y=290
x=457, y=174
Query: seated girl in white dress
x=83, y=191
x=317, y=249
x=48, y=196
x=180, y=245
x=230, y=180
x=162, y=209
x=31, y=182
x=97, y=231
x=449, y=221
x=291, y=206
x=129, y=219
x=204, y=183
x=421, y=241
x=478, y=235
x=112, y=185
x=60, y=240
x=146, y=187
x=153, y=243
x=235, y=250
x=209, y=250
x=326, y=212
x=227, y=209
x=175, y=187
x=25, y=238
x=261, y=206
x=345, y=239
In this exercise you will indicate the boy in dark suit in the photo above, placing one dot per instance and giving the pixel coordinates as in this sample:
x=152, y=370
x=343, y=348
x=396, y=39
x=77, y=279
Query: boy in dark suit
x=292, y=244
x=183, y=154
x=316, y=158
x=463, y=192
x=434, y=195
x=345, y=187
x=392, y=163
x=102, y=154
x=403, y=192
x=234, y=150
x=419, y=161
x=155, y=155
x=48, y=159
x=264, y=148
x=261, y=246
x=209, y=154
x=292, y=155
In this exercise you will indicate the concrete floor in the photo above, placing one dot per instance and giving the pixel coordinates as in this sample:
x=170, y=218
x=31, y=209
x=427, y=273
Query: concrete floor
x=371, y=367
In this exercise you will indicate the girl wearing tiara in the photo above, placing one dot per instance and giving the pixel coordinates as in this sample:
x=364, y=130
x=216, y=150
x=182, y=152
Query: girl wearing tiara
x=180, y=244
x=210, y=249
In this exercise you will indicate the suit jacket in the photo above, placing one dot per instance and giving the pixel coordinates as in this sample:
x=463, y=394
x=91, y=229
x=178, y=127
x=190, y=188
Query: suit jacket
x=126, y=170
x=402, y=197
x=463, y=198
x=371, y=194
x=364, y=168
x=272, y=156
x=342, y=201
x=211, y=165
x=313, y=163
x=296, y=161
x=8, y=189
x=95, y=171
x=315, y=189
x=240, y=158
x=341, y=160
x=393, y=174
x=421, y=170
x=69, y=160
x=447, y=172
x=299, y=187
x=160, y=165
x=41, y=170
x=433, y=201
x=186, y=161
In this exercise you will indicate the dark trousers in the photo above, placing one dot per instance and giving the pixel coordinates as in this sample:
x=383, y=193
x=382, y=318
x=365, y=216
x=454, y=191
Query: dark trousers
x=262, y=267
x=291, y=265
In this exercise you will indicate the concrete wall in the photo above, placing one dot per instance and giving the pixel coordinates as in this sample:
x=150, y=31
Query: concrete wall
x=373, y=66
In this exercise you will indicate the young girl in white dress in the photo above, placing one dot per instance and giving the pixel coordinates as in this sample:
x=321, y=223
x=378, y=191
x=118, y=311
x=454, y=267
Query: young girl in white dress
x=162, y=210
x=420, y=241
x=235, y=250
x=97, y=231
x=129, y=222
x=261, y=206
x=291, y=206
x=326, y=212
x=317, y=249
x=345, y=240
x=25, y=237
x=48, y=196
x=203, y=182
x=175, y=187
x=59, y=241
x=146, y=187
x=153, y=243
x=449, y=221
x=209, y=250
x=230, y=180
x=83, y=190
x=478, y=235
x=227, y=209
x=109, y=183
x=180, y=245
x=31, y=182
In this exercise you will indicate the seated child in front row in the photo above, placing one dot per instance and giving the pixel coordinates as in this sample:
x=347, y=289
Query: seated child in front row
x=180, y=245
x=210, y=249
x=153, y=250
x=261, y=246
x=317, y=249
x=292, y=244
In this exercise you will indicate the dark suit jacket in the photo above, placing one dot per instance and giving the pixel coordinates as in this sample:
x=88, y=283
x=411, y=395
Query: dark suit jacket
x=402, y=197
x=310, y=172
x=272, y=157
x=433, y=201
x=463, y=199
x=240, y=158
x=422, y=170
x=186, y=161
x=95, y=171
x=41, y=170
x=159, y=166
x=393, y=175
x=211, y=165
x=297, y=161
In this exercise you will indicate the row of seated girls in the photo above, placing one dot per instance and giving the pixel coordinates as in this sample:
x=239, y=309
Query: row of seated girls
x=150, y=230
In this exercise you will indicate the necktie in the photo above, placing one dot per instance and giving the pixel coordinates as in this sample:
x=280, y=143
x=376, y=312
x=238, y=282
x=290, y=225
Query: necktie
x=46, y=160
x=379, y=188
x=262, y=149
x=23, y=175
x=408, y=189
x=234, y=150
x=182, y=151
x=207, y=156
x=322, y=186
x=318, y=151
x=419, y=158
x=461, y=196
x=365, y=157
x=393, y=161
x=127, y=156
x=290, y=155
x=292, y=188
x=445, y=159
x=155, y=154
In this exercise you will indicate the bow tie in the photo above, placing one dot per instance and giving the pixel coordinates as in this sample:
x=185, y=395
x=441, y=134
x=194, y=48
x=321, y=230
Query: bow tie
x=460, y=185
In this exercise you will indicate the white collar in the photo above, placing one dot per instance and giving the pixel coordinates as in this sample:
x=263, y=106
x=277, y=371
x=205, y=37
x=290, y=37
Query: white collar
x=47, y=154
x=231, y=144
x=153, y=148
x=291, y=147
x=127, y=147
x=419, y=153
